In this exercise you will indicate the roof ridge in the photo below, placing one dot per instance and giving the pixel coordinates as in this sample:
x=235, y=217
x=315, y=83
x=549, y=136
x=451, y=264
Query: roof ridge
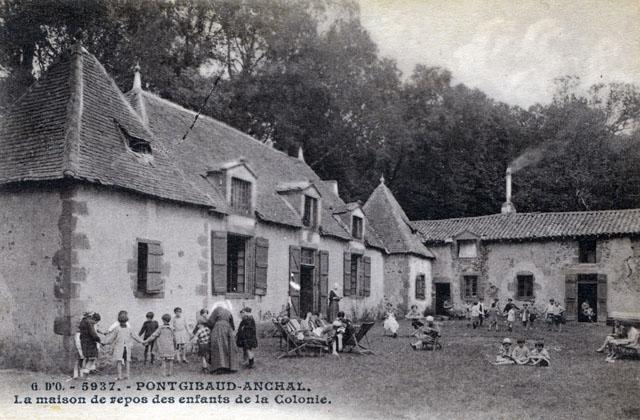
x=75, y=107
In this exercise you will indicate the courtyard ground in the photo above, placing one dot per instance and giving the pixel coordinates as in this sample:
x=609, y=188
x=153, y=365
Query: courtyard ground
x=396, y=383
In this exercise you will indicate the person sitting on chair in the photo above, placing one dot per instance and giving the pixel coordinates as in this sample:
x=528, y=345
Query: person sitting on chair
x=414, y=315
x=428, y=335
x=587, y=311
x=617, y=346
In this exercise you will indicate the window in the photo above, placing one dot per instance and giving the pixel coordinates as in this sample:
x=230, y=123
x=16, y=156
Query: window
x=240, y=196
x=467, y=249
x=236, y=264
x=470, y=284
x=587, y=251
x=149, y=273
x=357, y=275
x=356, y=227
x=310, y=212
x=525, y=286
x=356, y=260
x=307, y=256
x=420, y=287
x=136, y=144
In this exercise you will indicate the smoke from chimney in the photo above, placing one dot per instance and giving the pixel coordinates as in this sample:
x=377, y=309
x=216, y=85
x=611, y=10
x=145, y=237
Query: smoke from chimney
x=507, y=206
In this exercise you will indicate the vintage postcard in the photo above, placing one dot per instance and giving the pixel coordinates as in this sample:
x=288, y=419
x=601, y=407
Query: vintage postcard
x=323, y=209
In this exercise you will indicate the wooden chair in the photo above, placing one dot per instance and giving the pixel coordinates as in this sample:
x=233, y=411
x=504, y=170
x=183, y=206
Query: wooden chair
x=360, y=334
x=307, y=346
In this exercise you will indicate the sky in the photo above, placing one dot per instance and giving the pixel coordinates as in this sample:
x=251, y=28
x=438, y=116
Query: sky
x=511, y=50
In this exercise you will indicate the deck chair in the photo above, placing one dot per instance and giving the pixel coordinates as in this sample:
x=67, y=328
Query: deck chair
x=431, y=342
x=306, y=346
x=360, y=334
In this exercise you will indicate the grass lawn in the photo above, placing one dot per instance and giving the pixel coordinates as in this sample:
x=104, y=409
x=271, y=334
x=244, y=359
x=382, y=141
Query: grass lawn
x=397, y=382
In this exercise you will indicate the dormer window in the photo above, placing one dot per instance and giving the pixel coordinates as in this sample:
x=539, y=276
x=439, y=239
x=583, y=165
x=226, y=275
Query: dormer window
x=135, y=144
x=240, y=195
x=310, y=217
x=356, y=227
x=467, y=249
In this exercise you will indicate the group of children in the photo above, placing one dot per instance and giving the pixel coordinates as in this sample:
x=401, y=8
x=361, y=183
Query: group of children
x=476, y=313
x=521, y=355
x=165, y=342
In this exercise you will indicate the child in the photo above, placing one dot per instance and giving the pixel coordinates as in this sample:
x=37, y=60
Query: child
x=339, y=330
x=89, y=340
x=511, y=318
x=77, y=368
x=539, y=356
x=414, y=315
x=246, y=337
x=390, y=323
x=524, y=316
x=428, y=335
x=181, y=334
x=520, y=354
x=504, y=354
x=121, y=338
x=202, y=337
x=475, y=314
x=533, y=314
x=493, y=315
x=165, y=344
x=148, y=327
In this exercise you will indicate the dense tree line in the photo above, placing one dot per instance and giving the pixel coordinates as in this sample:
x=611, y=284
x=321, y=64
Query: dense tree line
x=306, y=73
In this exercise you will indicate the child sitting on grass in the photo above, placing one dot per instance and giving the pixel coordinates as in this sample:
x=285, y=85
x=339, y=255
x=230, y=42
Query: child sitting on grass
x=504, y=354
x=165, y=344
x=539, y=356
x=520, y=353
x=427, y=335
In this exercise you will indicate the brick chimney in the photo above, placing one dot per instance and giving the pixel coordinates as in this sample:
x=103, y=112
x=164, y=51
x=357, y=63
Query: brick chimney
x=507, y=206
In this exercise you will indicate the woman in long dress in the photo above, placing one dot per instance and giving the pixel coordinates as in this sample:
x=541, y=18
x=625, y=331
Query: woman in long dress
x=224, y=352
x=334, y=307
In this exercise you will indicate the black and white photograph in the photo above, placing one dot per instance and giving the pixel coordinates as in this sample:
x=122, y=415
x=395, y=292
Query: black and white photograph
x=320, y=209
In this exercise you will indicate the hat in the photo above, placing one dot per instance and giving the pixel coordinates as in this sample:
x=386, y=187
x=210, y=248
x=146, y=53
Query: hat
x=506, y=341
x=429, y=318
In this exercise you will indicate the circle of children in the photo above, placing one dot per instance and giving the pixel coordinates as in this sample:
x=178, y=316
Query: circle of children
x=215, y=336
x=217, y=340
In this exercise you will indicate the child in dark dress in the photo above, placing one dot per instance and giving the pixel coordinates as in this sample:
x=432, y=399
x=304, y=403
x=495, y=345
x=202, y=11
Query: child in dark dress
x=246, y=337
x=148, y=327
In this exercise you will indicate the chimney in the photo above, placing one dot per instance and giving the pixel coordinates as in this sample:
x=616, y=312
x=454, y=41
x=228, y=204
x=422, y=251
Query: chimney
x=334, y=186
x=507, y=206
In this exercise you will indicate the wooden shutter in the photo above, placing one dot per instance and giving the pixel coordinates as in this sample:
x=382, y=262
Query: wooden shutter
x=570, y=293
x=219, y=262
x=347, y=274
x=295, y=253
x=249, y=266
x=262, y=262
x=367, y=275
x=420, y=287
x=154, y=268
x=602, y=297
x=462, y=288
x=324, y=281
x=480, y=288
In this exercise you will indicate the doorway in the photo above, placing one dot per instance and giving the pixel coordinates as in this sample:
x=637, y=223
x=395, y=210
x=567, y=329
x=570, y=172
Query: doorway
x=306, y=290
x=587, y=292
x=443, y=294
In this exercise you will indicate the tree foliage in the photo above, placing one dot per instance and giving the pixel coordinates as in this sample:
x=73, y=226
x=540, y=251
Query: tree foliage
x=307, y=74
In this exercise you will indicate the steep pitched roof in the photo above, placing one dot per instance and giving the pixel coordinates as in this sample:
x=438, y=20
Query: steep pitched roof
x=388, y=219
x=534, y=226
x=74, y=123
x=211, y=142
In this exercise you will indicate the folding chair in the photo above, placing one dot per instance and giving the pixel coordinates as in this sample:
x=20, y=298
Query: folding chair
x=355, y=341
x=307, y=346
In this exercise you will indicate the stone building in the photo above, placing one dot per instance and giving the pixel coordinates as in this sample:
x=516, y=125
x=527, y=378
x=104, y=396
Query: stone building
x=591, y=256
x=106, y=205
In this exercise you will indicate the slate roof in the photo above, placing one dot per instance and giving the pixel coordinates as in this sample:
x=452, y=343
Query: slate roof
x=73, y=123
x=534, y=226
x=388, y=219
x=212, y=142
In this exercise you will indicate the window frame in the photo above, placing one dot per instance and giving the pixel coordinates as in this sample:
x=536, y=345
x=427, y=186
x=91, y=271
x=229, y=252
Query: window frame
x=142, y=276
x=461, y=242
x=357, y=227
x=309, y=221
x=421, y=287
x=587, y=250
x=230, y=272
x=240, y=195
x=466, y=277
x=522, y=277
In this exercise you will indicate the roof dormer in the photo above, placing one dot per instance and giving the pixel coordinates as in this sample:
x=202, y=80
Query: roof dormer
x=238, y=182
x=305, y=198
x=352, y=218
x=466, y=245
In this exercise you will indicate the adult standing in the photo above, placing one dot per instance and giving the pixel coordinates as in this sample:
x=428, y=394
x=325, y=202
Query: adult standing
x=334, y=306
x=224, y=352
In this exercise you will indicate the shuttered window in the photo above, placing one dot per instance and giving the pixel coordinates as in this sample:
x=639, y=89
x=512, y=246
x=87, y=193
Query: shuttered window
x=236, y=250
x=240, y=196
x=357, y=275
x=239, y=264
x=420, y=287
x=149, y=275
